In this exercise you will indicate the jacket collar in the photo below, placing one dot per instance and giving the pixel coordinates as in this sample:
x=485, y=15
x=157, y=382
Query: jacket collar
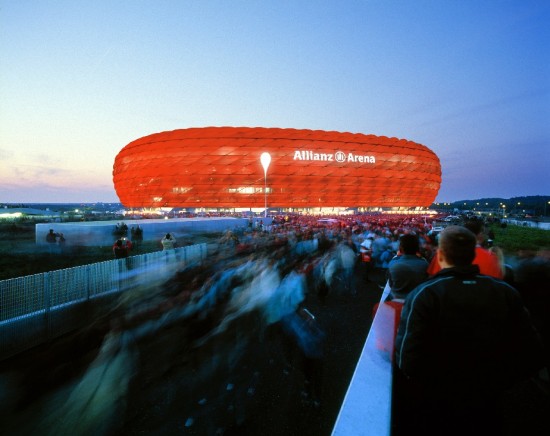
x=468, y=270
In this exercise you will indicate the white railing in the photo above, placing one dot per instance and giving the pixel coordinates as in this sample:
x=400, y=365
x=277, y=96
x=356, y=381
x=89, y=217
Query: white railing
x=366, y=409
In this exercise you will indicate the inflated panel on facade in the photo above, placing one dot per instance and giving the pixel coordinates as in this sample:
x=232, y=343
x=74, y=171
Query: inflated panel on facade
x=220, y=167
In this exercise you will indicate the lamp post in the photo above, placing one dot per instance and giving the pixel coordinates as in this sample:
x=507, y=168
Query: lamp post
x=265, y=159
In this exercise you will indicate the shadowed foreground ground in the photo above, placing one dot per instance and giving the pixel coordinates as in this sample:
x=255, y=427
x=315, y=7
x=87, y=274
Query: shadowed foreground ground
x=181, y=380
x=175, y=382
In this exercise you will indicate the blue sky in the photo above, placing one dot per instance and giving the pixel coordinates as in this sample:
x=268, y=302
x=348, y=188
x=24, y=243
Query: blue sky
x=81, y=79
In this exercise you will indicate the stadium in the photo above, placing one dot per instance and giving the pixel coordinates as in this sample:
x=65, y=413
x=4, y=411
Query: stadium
x=221, y=167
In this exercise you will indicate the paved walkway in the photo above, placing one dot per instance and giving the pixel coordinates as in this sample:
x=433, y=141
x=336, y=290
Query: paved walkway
x=259, y=396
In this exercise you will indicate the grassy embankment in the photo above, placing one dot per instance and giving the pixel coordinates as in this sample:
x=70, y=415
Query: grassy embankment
x=515, y=239
x=21, y=256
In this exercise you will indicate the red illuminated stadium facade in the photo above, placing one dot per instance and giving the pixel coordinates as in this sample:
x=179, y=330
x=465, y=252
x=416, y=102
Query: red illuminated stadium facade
x=219, y=167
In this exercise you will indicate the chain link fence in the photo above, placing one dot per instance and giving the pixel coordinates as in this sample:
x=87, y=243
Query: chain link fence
x=37, y=308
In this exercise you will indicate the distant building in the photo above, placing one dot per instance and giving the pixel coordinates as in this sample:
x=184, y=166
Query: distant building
x=27, y=212
x=219, y=167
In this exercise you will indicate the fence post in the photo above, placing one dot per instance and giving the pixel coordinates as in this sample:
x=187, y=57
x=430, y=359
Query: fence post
x=88, y=281
x=121, y=270
x=47, y=303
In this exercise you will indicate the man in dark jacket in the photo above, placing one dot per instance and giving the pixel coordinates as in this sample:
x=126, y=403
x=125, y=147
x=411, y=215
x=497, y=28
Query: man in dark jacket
x=462, y=340
x=407, y=269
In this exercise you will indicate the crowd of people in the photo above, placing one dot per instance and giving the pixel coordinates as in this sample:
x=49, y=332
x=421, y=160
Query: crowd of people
x=254, y=288
x=472, y=327
x=464, y=338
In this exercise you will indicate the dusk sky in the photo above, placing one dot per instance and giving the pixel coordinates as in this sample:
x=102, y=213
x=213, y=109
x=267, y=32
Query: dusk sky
x=79, y=80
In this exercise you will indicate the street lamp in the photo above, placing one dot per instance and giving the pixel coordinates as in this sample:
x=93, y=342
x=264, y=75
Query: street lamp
x=265, y=159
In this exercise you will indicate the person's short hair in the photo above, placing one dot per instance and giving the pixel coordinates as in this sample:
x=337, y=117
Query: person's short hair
x=475, y=225
x=409, y=244
x=458, y=245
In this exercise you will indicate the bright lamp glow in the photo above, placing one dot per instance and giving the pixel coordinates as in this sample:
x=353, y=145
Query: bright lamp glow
x=265, y=159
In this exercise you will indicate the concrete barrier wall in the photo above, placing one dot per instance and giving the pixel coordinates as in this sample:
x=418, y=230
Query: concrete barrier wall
x=366, y=409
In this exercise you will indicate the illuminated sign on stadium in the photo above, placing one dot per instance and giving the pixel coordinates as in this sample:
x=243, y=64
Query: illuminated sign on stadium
x=339, y=156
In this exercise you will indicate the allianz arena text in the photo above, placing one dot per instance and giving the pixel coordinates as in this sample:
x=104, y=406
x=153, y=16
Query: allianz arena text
x=221, y=167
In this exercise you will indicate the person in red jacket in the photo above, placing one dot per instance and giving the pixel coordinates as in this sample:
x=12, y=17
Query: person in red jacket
x=122, y=248
x=487, y=261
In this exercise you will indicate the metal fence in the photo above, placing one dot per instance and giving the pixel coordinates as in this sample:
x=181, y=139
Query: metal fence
x=41, y=307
